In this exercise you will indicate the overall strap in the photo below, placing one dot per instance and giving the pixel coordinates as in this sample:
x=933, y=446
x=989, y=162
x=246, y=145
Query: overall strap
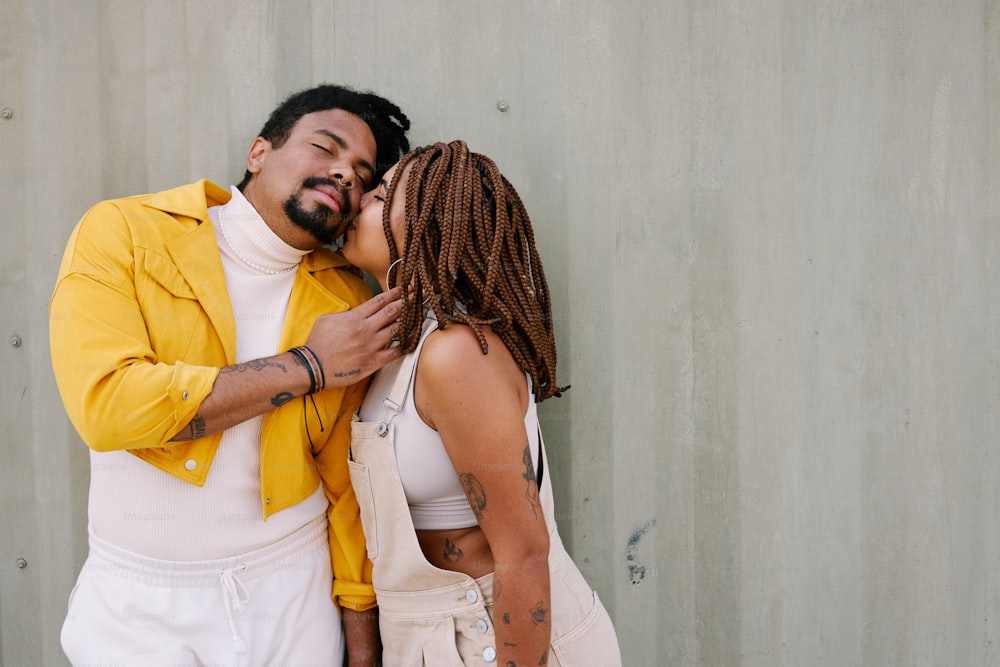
x=397, y=396
x=541, y=459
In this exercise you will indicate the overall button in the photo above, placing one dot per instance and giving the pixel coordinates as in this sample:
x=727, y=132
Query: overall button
x=190, y=464
x=471, y=596
x=489, y=654
x=482, y=626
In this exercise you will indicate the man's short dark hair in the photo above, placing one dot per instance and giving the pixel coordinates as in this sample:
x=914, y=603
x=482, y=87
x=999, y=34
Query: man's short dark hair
x=386, y=121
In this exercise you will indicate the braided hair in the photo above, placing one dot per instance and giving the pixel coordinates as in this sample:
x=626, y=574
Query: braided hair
x=469, y=252
x=386, y=121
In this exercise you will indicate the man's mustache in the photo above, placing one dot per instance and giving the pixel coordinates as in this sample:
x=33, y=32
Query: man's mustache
x=313, y=181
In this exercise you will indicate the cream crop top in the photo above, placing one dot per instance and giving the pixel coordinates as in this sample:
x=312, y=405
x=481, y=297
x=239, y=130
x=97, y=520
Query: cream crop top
x=430, y=483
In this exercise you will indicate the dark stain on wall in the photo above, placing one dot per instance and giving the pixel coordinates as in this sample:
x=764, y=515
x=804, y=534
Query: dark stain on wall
x=636, y=570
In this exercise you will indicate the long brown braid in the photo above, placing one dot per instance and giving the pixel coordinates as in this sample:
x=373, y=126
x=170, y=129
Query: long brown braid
x=469, y=252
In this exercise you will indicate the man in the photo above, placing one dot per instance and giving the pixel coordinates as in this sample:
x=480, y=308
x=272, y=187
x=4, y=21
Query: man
x=210, y=351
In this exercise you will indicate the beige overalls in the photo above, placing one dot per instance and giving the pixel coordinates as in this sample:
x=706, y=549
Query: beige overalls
x=430, y=616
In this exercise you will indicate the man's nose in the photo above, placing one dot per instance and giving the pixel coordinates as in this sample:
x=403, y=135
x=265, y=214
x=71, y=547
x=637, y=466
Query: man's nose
x=342, y=173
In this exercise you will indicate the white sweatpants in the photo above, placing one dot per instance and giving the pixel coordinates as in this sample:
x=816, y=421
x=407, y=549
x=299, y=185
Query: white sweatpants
x=270, y=607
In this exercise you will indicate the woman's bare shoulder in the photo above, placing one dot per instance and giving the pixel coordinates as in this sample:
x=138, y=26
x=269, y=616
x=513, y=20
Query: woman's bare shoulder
x=452, y=364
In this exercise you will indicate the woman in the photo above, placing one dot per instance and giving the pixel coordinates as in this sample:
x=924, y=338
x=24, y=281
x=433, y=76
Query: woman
x=447, y=457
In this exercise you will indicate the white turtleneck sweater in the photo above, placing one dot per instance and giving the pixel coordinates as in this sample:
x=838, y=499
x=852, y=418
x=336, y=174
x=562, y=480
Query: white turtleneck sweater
x=143, y=509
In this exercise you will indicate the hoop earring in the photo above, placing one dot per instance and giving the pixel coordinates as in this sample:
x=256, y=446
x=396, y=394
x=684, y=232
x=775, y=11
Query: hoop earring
x=390, y=271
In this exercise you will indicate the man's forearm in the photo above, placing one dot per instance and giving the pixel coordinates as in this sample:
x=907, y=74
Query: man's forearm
x=247, y=390
x=362, y=638
x=343, y=348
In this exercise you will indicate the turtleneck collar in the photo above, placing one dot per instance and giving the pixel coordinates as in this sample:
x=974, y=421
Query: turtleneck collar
x=252, y=241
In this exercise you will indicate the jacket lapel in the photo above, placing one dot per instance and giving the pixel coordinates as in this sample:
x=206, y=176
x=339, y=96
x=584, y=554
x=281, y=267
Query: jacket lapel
x=309, y=298
x=196, y=255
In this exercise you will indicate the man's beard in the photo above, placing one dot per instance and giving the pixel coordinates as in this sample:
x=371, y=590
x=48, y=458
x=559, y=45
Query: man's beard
x=322, y=223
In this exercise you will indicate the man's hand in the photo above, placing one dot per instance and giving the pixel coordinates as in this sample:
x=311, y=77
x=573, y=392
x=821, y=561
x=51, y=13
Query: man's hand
x=350, y=346
x=354, y=344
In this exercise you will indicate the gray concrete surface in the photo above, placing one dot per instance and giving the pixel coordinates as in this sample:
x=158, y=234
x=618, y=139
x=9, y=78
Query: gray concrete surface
x=771, y=230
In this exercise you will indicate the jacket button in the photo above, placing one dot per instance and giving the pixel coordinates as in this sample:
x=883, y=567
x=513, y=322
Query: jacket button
x=190, y=464
x=489, y=654
x=471, y=596
x=482, y=626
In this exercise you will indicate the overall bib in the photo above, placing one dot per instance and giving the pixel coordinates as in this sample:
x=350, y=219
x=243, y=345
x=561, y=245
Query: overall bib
x=436, y=617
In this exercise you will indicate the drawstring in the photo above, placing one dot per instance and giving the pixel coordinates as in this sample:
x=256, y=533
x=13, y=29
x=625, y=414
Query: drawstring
x=236, y=596
x=305, y=417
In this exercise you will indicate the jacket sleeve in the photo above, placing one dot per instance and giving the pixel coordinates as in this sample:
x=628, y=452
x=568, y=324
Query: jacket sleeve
x=117, y=392
x=352, y=570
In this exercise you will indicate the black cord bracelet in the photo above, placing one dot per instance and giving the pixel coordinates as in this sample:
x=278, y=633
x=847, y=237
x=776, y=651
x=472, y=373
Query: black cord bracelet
x=320, y=373
x=300, y=355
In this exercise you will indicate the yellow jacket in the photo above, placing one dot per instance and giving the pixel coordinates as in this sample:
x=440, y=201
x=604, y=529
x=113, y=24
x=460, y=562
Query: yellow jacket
x=141, y=323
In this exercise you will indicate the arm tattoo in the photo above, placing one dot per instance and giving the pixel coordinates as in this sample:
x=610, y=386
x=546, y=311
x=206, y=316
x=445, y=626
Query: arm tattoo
x=506, y=618
x=254, y=365
x=197, y=427
x=531, y=493
x=497, y=590
x=452, y=553
x=474, y=490
x=347, y=374
x=282, y=398
x=539, y=614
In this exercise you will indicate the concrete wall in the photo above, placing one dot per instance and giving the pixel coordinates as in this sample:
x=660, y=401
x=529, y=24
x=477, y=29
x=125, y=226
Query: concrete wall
x=771, y=230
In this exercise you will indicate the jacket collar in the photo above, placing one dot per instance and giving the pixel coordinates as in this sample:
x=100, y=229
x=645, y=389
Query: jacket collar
x=197, y=258
x=190, y=201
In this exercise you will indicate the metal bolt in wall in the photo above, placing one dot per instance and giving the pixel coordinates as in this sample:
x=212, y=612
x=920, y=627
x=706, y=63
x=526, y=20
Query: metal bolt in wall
x=21, y=563
x=15, y=341
x=502, y=106
x=6, y=113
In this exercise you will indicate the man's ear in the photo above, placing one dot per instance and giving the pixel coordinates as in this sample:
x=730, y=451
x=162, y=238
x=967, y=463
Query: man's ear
x=258, y=151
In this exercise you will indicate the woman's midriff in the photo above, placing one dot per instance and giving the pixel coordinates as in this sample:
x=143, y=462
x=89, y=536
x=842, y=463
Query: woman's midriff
x=462, y=550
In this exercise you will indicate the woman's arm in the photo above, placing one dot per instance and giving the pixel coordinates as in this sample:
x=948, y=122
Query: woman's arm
x=477, y=404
